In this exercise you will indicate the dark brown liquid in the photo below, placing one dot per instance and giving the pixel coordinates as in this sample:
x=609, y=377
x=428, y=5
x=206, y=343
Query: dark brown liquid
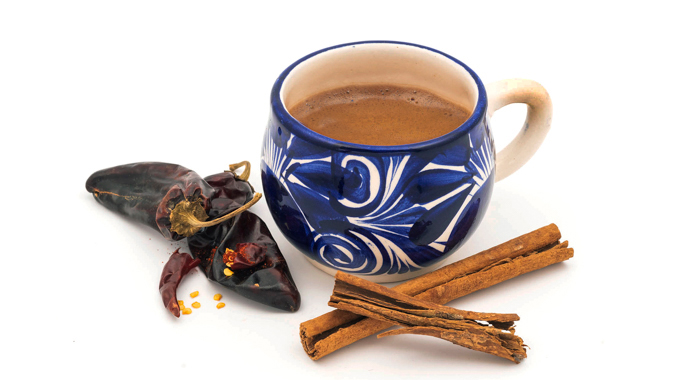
x=379, y=114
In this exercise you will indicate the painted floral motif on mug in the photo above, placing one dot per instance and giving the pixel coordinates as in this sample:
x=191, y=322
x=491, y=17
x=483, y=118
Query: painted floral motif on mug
x=407, y=209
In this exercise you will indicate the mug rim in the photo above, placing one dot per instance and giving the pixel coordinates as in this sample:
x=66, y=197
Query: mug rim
x=298, y=129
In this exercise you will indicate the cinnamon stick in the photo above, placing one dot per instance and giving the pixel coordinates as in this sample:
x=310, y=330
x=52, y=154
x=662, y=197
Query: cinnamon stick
x=486, y=332
x=331, y=331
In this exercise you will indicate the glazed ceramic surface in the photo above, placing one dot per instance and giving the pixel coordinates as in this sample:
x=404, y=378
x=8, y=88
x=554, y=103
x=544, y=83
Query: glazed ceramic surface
x=387, y=212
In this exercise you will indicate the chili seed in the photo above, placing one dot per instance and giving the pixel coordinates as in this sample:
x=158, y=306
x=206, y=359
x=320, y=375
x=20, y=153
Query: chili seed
x=194, y=294
x=195, y=305
x=220, y=305
x=217, y=297
x=228, y=272
x=186, y=310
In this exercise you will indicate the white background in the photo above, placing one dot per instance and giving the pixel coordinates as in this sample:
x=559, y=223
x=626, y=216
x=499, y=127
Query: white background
x=89, y=85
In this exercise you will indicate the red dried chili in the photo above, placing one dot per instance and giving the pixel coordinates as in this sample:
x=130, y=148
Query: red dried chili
x=261, y=274
x=178, y=265
x=171, y=198
x=212, y=213
x=269, y=282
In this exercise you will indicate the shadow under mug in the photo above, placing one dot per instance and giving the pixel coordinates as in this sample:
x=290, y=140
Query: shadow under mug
x=389, y=213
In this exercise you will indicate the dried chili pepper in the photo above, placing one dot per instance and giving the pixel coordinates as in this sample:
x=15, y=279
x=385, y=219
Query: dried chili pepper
x=260, y=271
x=176, y=201
x=261, y=274
x=171, y=198
x=178, y=265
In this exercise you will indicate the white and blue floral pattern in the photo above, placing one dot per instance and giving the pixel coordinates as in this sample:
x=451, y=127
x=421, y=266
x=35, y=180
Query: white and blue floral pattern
x=374, y=214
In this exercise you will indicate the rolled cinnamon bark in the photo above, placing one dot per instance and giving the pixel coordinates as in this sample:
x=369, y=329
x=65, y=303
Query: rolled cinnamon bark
x=492, y=333
x=329, y=332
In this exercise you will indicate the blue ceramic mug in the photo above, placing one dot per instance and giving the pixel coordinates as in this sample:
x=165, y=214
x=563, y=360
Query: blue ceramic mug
x=389, y=213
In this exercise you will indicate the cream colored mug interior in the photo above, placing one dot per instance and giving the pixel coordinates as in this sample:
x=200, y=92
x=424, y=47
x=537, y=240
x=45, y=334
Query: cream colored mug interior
x=380, y=63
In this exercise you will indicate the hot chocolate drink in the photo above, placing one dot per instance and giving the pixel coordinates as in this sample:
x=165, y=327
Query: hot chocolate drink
x=379, y=114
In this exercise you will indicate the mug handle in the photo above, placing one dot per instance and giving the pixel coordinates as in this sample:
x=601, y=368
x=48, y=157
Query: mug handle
x=536, y=125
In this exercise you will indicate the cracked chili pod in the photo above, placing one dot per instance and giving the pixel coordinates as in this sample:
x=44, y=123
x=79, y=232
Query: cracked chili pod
x=255, y=267
x=170, y=198
x=269, y=281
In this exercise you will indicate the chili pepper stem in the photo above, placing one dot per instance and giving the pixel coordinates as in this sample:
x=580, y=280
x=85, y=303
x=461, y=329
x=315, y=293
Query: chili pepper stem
x=214, y=222
x=246, y=172
x=188, y=217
